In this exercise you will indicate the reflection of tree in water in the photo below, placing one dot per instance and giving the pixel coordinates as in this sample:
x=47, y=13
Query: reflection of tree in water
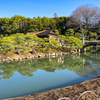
x=72, y=62
x=49, y=65
x=90, y=67
x=93, y=55
x=26, y=68
x=82, y=65
x=7, y=70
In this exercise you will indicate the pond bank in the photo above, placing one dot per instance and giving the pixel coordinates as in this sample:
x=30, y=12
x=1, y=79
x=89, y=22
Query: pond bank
x=16, y=57
x=73, y=92
x=28, y=56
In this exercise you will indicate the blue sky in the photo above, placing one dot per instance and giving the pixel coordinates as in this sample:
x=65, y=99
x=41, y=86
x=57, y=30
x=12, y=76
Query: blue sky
x=35, y=8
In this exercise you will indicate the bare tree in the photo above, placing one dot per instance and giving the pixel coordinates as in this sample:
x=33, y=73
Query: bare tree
x=71, y=23
x=87, y=16
x=55, y=15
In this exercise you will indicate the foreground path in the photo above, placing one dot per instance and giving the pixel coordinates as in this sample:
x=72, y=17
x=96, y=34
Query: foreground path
x=73, y=92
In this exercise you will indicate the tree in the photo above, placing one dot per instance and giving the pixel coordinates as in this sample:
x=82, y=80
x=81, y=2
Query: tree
x=28, y=67
x=92, y=35
x=18, y=24
x=46, y=23
x=78, y=35
x=50, y=44
x=7, y=45
x=60, y=24
x=40, y=43
x=5, y=26
x=57, y=31
x=69, y=32
x=73, y=62
x=71, y=23
x=19, y=41
x=1, y=37
x=87, y=15
x=55, y=15
x=32, y=25
x=52, y=23
x=62, y=40
x=39, y=23
x=74, y=43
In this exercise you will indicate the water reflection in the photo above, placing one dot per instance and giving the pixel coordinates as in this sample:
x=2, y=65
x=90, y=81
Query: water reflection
x=90, y=67
x=83, y=65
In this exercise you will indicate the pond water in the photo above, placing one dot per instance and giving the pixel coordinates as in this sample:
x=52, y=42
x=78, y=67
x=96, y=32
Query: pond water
x=37, y=75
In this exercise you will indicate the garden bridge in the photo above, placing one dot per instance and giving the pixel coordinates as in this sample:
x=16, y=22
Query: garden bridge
x=91, y=43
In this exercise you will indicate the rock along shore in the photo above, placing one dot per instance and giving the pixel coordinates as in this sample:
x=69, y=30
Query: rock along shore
x=73, y=92
x=8, y=59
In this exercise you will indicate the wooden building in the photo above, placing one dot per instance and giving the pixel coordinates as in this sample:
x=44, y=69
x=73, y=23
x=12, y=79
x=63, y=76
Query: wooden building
x=46, y=33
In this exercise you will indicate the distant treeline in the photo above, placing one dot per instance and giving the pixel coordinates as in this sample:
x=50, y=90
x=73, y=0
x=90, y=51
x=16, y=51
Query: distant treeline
x=62, y=25
x=20, y=24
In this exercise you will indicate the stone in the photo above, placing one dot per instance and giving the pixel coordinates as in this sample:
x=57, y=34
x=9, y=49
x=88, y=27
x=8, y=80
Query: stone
x=13, y=58
x=34, y=51
x=28, y=57
x=79, y=50
x=3, y=59
x=46, y=55
x=62, y=53
x=35, y=56
x=20, y=58
x=32, y=56
x=42, y=55
x=39, y=56
x=52, y=54
x=56, y=54
x=23, y=57
x=17, y=59
x=6, y=59
x=19, y=52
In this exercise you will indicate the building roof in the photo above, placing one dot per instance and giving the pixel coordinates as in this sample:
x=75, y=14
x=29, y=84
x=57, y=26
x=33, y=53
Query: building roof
x=45, y=33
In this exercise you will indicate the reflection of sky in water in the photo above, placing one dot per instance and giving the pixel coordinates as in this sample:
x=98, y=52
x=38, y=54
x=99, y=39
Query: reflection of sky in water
x=42, y=80
x=64, y=71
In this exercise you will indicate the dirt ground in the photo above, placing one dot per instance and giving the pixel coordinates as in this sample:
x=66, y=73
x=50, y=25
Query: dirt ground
x=73, y=92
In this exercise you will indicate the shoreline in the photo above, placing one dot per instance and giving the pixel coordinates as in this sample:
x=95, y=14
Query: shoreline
x=72, y=92
x=22, y=57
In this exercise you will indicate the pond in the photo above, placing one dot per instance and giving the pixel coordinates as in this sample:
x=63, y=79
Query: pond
x=37, y=75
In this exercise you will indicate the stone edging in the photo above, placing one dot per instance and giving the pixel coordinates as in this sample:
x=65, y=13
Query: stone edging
x=31, y=57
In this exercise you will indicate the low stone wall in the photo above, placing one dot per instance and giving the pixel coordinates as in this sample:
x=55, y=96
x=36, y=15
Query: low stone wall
x=72, y=92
